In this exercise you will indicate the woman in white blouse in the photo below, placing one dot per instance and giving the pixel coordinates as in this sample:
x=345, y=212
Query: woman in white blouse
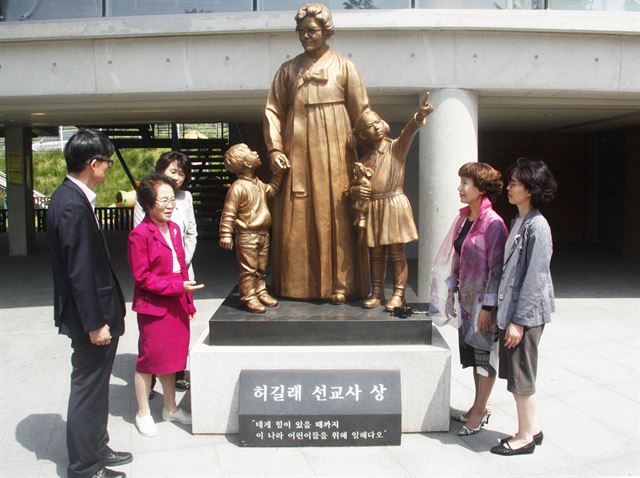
x=177, y=166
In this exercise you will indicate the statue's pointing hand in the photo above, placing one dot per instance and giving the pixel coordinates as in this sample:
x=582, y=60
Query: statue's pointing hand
x=425, y=108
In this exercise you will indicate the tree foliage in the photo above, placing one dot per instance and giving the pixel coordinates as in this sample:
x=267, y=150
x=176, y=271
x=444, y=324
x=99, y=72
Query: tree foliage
x=358, y=4
x=49, y=169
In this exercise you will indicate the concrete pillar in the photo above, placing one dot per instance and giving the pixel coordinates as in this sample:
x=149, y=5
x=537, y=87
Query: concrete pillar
x=448, y=140
x=21, y=226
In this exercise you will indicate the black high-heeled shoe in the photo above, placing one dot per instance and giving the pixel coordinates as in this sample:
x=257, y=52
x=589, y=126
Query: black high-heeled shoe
x=537, y=438
x=505, y=449
x=463, y=417
x=485, y=418
x=459, y=417
x=466, y=431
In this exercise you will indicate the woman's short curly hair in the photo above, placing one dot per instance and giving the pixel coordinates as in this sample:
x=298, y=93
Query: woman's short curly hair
x=537, y=179
x=321, y=13
x=487, y=179
x=147, y=190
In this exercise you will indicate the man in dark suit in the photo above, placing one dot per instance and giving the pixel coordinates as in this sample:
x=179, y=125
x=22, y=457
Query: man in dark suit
x=88, y=304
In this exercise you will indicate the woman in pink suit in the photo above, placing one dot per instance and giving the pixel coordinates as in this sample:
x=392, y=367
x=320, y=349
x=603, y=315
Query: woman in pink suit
x=162, y=298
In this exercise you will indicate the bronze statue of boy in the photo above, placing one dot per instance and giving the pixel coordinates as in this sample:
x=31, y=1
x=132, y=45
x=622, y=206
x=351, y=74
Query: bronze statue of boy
x=246, y=212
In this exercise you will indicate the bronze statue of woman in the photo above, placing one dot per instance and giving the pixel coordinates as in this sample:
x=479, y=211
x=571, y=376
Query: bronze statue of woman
x=313, y=102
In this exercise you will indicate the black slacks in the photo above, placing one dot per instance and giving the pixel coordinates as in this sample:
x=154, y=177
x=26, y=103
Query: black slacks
x=88, y=410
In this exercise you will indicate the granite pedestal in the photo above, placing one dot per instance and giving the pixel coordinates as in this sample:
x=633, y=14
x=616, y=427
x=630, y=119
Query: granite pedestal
x=316, y=323
x=425, y=369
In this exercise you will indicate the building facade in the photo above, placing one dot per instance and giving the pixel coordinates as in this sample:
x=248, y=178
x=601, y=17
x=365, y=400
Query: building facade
x=508, y=78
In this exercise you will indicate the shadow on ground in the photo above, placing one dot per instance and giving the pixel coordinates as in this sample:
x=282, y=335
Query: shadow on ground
x=579, y=271
x=51, y=446
x=26, y=281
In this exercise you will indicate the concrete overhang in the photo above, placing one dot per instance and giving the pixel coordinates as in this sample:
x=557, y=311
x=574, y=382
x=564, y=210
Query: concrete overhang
x=550, y=21
x=533, y=70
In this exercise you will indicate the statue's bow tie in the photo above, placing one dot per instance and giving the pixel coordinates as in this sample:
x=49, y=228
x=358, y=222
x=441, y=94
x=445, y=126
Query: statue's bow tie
x=319, y=76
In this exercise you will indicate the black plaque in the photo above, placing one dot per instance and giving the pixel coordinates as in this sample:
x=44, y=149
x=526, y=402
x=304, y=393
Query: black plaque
x=316, y=323
x=279, y=408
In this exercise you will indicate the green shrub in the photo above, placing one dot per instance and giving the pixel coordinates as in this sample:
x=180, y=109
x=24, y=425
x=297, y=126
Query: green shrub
x=49, y=169
x=140, y=161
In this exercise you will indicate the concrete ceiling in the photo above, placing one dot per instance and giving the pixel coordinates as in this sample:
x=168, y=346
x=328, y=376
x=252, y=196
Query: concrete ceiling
x=580, y=112
x=515, y=111
x=519, y=111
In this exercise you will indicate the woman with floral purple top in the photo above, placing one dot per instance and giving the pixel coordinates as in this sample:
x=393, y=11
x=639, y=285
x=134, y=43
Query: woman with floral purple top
x=469, y=262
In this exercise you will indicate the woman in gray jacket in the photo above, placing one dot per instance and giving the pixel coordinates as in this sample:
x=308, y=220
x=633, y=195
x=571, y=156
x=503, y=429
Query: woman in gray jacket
x=525, y=297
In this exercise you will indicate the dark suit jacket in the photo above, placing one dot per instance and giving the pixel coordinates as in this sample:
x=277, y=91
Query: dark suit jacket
x=87, y=294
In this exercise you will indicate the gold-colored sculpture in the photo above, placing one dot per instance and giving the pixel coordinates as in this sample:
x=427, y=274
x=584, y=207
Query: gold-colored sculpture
x=246, y=211
x=389, y=224
x=313, y=102
x=361, y=177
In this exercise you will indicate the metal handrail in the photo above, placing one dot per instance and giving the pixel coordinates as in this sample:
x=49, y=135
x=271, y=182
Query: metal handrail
x=109, y=218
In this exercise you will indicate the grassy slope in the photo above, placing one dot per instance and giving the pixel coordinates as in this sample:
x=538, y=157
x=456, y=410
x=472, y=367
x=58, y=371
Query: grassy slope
x=49, y=170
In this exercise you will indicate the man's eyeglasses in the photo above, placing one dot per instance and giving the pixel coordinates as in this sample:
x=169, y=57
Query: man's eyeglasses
x=109, y=161
x=164, y=202
x=308, y=32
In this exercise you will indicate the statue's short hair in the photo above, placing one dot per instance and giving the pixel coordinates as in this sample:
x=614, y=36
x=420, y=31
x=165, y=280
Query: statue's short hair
x=233, y=158
x=363, y=120
x=320, y=12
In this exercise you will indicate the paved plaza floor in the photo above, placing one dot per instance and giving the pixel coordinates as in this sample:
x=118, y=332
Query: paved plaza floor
x=588, y=388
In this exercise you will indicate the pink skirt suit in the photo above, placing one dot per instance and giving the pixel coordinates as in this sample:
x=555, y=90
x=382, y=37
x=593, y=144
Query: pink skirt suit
x=159, y=298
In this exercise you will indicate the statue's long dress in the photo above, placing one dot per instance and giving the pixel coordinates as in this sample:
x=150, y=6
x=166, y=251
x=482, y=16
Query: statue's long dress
x=308, y=117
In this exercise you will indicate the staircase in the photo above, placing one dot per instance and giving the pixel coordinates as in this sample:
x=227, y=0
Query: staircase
x=209, y=183
x=209, y=179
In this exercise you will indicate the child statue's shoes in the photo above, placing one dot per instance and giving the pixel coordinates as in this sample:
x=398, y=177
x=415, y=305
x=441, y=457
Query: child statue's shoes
x=372, y=302
x=267, y=300
x=395, y=301
x=255, y=306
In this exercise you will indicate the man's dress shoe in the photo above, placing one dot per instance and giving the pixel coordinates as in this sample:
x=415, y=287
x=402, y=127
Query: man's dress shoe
x=107, y=473
x=116, y=458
